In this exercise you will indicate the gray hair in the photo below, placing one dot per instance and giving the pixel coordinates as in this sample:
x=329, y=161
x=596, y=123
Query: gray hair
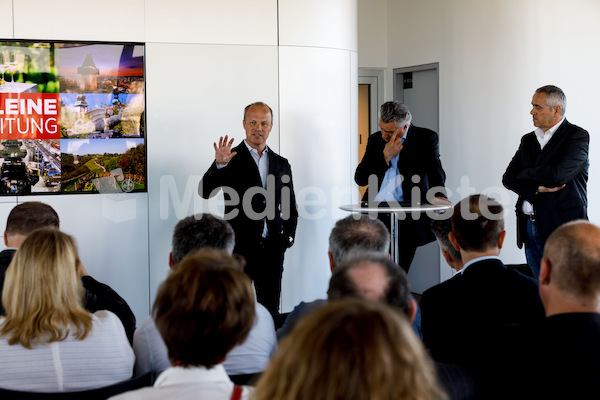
x=554, y=97
x=396, y=293
x=393, y=111
x=441, y=228
x=201, y=231
x=358, y=232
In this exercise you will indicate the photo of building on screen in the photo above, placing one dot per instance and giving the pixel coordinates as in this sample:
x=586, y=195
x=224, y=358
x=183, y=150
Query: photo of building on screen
x=101, y=116
x=101, y=91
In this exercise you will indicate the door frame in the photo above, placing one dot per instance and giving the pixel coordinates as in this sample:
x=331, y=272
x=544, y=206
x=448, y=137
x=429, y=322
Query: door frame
x=375, y=79
x=398, y=79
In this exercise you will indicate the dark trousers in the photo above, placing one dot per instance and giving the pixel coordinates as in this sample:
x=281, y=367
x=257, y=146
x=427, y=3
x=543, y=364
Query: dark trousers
x=264, y=265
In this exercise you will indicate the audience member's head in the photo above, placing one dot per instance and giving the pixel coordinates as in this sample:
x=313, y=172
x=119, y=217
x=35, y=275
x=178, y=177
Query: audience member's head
x=27, y=217
x=357, y=233
x=372, y=276
x=570, y=270
x=441, y=228
x=350, y=349
x=477, y=225
x=42, y=291
x=200, y=231
x=204, y=308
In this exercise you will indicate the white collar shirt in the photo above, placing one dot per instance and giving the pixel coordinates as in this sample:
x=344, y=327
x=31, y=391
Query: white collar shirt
x=473, y=261
x=543, y=139
x=262, y=162
x=187, y=384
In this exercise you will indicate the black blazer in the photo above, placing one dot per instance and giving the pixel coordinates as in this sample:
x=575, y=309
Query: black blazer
x=420, y=156
x=241, y=174
x=461, y=316
x=564, y=159
x=420, y=166
x=566, y=358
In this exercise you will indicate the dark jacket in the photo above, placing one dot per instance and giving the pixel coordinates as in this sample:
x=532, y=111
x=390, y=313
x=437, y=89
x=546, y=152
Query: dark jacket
x=477, y=319
x=564, y=160
x=420, y=166
x=241, y=175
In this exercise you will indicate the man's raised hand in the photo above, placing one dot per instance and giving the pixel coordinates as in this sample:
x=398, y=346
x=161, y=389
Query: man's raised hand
x=393, y=147
x=223, y=152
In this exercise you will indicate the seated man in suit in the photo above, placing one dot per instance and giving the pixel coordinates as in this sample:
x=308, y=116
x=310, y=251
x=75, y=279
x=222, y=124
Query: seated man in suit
x=250, y=357
x=566, y=357
x=486, y=304
x=203, y=309
x=373, y=276
x=29, y=216
x=354, y=233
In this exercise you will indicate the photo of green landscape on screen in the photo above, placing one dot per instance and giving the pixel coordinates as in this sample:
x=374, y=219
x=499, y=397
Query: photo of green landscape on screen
x=105, y=166
x=72, y=118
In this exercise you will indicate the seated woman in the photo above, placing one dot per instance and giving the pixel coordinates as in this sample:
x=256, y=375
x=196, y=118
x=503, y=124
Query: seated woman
x=48, y=341
x=350, y=349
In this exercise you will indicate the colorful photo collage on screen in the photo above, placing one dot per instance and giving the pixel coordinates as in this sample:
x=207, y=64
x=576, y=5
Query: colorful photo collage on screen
x=72, y=118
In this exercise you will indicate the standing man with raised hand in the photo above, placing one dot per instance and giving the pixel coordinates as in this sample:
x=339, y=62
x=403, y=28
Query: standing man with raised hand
x=402, y=161
x=260, y=203
x=549, y=172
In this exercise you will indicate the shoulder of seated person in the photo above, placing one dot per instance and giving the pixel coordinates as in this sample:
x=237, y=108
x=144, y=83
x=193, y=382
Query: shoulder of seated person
x=105, y=315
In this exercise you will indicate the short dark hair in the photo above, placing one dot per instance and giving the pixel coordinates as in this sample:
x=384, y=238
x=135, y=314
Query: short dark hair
x=554, y=97
x=397, y=292
x=258, y=103
x=29, y=216
x=199, y=231
x=393, y=111
x=477, y=222
x=204, y=308
x=358, y=232
x=441, y=228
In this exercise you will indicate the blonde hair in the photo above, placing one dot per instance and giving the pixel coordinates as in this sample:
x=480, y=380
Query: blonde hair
x=350, y=349
x=42, y=291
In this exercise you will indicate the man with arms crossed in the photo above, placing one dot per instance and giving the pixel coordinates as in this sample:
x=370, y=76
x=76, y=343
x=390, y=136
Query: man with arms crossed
x=549, y=172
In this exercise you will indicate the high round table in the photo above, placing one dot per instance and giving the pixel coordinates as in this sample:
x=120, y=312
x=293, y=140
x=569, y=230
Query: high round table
x=394, y=212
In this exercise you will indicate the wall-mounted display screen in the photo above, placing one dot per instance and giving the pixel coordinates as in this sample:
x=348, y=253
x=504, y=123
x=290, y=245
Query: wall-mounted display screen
x=72, y=118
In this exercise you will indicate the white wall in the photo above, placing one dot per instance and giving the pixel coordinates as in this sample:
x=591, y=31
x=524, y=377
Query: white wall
x=205, y=61
x=492, y=57
x=372, y=34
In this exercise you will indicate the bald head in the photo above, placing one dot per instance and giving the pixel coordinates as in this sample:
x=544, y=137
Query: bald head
x=371, y=276
x=573, y=254
x=370, y=280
